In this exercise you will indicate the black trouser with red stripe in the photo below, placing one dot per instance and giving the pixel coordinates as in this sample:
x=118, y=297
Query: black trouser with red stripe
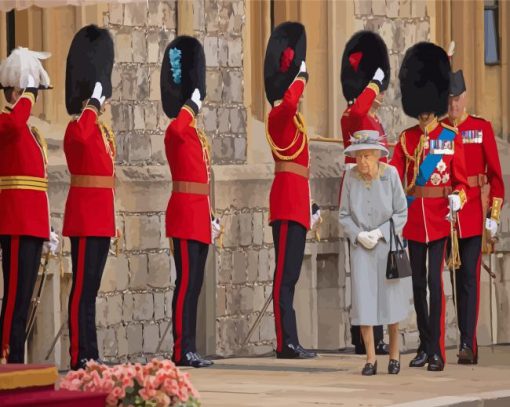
x=21, y=258
x=89, y=256
x=289, y=242
x=190, y=257
x=431, y=320
x=468, y=289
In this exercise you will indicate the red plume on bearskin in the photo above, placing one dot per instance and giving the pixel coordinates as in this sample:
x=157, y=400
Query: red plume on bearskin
x=355, y=59
x=286, y=59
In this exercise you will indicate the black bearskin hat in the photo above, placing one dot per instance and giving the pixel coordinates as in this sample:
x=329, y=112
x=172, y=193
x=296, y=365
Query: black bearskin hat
x=364, y=53
x=182, y=71
x=90, y=60
x=425, y=80
x=285, y=51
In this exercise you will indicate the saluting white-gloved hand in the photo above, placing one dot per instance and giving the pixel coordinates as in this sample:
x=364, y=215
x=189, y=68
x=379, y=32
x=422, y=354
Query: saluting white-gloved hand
x=97, y=93
x=492, y=226
x=215, y=229
x=375, y=234
x=366, y=240
x=454, y=202
x=195, y=97
x=302, y=68
x=379, y=75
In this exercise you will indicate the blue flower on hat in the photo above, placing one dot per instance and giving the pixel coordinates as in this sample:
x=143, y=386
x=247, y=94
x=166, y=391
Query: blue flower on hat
x=175, y=55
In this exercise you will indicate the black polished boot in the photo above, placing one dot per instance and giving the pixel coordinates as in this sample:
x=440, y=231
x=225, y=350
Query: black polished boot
x=295, y=352
x=369, y=369
x=466, y=356
x=419, y=360
x=193, y=359
x=394, y=366
x=436, y=363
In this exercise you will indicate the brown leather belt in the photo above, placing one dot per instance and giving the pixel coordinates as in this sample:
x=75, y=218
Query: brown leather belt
x=298, y=169
x=431, y=192
x=188, y=187
x=477, y=180
x=92, y=181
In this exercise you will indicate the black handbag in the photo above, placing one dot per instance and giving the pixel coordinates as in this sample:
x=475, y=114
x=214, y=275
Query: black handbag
x=398, y=265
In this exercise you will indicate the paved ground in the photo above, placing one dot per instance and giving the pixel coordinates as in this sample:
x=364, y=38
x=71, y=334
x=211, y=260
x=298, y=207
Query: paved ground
x=335, y=380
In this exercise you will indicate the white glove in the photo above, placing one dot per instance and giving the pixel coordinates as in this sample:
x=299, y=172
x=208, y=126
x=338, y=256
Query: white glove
x=215, y=229
x=454, y=202
x=54, y=243
x=302, y=68
x=492, y=226
x=195, y=97
x=366, y=240
x=375, y=234
x=316, y=218
x=28, y=82
x=379, y=75
x=98, y=92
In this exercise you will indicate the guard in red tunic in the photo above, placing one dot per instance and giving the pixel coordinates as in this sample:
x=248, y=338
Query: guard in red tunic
x=188, y=216
x=486, y=190
x=430, y=160
x=365, y=77
x=290, y=209
x=89, y=146
x=24, y=208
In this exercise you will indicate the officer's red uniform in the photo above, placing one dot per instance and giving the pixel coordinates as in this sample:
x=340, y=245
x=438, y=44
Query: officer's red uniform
x=24, y=205
x=483, y=172
x=188, y=158
x=24, y=220
x=427, y=214
x=290, y=193
x=481, y=152
x=427, y=228
x=89, y=151
x=357, y=116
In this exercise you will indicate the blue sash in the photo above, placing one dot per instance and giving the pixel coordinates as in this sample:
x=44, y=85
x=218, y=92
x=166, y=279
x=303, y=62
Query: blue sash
x=430, y=162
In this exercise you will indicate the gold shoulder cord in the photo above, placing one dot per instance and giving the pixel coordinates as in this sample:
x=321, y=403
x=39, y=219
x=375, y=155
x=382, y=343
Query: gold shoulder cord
x=109, y=138
x=300, y=128
x=415, y=158
x=41, y=141
x=206, y=148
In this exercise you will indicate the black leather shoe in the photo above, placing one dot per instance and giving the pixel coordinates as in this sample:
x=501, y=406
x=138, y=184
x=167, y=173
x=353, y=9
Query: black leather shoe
x=193, y=359
x=295, y=352
x=466, y=356
x=394, y=366
x=369, y=369
x=436, y=363
x=419, y=360
x=382, y=348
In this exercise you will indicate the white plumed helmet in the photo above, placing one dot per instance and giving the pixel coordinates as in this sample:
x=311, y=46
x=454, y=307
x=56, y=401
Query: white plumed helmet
x=21, y=63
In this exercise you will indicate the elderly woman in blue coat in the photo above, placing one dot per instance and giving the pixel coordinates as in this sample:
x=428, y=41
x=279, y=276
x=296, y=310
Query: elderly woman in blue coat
x=372, y=194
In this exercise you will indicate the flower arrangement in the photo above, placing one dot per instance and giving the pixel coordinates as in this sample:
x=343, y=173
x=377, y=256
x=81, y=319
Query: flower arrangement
x=159, y=383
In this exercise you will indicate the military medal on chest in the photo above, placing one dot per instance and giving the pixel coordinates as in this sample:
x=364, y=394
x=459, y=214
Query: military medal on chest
x=472, y=136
